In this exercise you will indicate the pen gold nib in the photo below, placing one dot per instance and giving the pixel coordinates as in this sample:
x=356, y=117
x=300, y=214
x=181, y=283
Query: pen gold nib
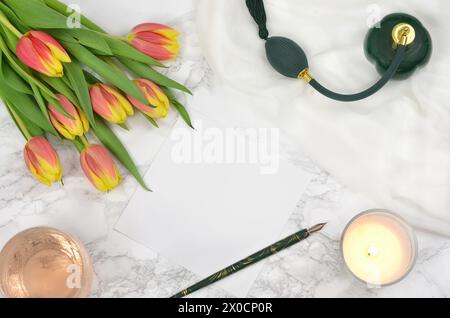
x=316, y=228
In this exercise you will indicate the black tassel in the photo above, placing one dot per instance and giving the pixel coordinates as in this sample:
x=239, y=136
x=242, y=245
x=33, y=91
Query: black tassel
x=256, y=8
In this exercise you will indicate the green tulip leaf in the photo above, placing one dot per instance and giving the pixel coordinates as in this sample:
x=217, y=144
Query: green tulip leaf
x=25, y=105
x=151, y=120
x=110, y=74
x=42, y=105
x=124, y=126
x=13, y=18
x=86, y=37
x=147, y=72
x=181, y=109
x=13, y=80
x=110, y=140
x=75, y=74
x=36, y=14
x=31, y=128
x=10, y=38
x=60, y=86
x=183, y=112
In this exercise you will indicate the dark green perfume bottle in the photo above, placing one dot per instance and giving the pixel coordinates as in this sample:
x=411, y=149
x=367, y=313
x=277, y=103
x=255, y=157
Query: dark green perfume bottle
x=381, y=49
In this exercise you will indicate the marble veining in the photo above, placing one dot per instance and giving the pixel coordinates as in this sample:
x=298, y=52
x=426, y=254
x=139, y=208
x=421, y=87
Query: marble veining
x=124, y=268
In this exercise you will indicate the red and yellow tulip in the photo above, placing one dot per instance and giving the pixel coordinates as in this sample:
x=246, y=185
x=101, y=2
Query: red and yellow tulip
x=110, y=104
x=42, y=161
x=66, y=126
x=155, y=97
x=158, y=41
x=99, y=168
x=43, y=53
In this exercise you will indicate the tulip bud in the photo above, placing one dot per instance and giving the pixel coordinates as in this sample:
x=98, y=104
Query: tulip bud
x=156, y=40
x=110, y=104
x=155, y=97
x=43, y=53
x=66, y=126
x=99, y=168
x=42, y=161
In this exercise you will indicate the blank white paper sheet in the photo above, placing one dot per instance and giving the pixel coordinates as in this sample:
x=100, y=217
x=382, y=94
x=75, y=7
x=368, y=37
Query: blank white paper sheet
x=205, y=216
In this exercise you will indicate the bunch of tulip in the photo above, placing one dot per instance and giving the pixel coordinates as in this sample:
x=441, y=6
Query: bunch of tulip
x=64, y=81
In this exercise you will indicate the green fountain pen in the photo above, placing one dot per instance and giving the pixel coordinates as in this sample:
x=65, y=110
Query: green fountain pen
x=253, y=259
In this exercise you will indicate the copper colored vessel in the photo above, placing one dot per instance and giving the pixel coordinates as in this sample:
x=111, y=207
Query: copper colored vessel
x=45, y=263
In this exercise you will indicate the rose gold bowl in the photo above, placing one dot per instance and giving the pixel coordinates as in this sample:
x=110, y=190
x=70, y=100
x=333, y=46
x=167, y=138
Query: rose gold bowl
x=45, y=263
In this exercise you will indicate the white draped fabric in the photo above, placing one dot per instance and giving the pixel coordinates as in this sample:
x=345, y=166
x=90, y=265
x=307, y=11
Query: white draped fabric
x=394, y=147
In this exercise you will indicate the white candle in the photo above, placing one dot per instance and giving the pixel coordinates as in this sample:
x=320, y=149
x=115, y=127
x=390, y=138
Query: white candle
x=378, y=247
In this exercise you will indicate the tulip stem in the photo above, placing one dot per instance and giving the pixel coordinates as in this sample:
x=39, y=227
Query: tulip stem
x=19, y=122
x=79, y=145
x=84, y=140
x=4, y=20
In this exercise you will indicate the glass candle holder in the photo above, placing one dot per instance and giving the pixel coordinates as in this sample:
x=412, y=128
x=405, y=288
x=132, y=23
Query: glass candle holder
x=379, y=248
x=45, y=263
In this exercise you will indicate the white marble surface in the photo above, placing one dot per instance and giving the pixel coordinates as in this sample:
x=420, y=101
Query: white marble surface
x=124, y=268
